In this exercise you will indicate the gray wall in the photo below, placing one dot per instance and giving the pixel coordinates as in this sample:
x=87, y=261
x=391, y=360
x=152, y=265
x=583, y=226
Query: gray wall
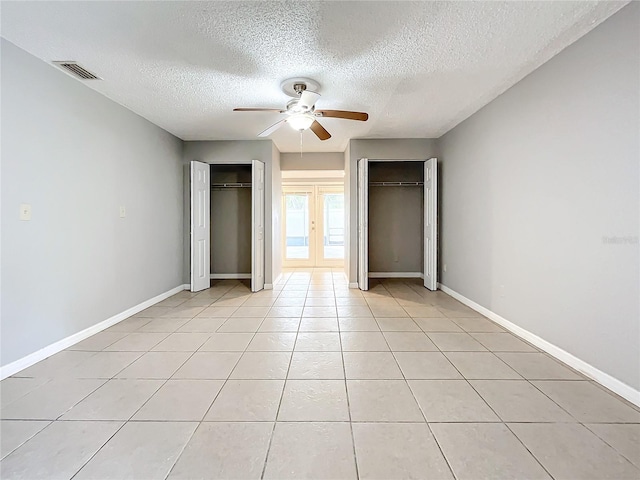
x=231, y=230
x=231, y=220
x=76, y=157
x=230, y=152
x=381, y=149
x=534, y=184
x=312, y=161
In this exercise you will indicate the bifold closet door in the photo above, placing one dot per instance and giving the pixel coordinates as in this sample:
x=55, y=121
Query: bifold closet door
x=431, y=224
x=363, y=227
x=200, y=226
x=257, y=226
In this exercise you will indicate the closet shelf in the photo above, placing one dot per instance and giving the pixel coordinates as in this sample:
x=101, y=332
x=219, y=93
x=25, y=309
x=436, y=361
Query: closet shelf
x=231, y=185
x=396, y=184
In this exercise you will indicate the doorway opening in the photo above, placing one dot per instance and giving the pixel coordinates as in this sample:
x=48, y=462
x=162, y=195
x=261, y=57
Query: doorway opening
x=227, y=223
x=397, y=220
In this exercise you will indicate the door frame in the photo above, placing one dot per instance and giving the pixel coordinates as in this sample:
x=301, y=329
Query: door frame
x=316, y=225
x=430, y=249
x=255, y=258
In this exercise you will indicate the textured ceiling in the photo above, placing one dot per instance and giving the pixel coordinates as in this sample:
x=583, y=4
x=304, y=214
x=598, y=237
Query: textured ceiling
x=418, y=68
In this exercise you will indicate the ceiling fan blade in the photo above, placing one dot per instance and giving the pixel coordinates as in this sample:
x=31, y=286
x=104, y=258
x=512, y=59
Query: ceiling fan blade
x=320, y=131
x=276, y=110
x=272, y=128
x=308, y=100
x=344, y=114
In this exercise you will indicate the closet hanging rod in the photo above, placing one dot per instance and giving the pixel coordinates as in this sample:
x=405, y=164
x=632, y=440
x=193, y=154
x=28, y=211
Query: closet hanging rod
x=231, y=185
x=396, y=184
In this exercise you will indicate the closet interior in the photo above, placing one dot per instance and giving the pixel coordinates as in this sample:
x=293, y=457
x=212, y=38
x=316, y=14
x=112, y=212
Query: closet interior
x=231, y=206
x=396, y=219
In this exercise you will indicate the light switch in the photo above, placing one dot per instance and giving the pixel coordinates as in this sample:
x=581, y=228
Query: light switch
x=123, y=212
x=25, y=211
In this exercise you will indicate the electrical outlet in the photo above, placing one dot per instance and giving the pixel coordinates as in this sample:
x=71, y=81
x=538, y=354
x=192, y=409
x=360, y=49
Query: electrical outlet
x=444, y=267
x=502, y=294
x=25, y=212
x=123, y=212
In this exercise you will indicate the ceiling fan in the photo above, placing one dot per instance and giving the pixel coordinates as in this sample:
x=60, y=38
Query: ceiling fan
x=301, y=113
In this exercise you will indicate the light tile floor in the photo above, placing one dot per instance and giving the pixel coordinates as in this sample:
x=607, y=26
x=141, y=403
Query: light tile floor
x=311, y=380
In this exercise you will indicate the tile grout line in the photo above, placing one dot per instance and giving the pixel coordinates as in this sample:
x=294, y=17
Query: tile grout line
x=421, y=411
x=346, y=388
x=96, y=452
x=284, y=386
x=485, y=402
x=392, y=292
x=125, y=422
x=527, y=449
x=611, y=446
x=199, y=423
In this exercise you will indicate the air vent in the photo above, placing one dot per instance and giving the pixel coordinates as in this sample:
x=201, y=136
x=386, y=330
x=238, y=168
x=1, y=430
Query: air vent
x=77, y=70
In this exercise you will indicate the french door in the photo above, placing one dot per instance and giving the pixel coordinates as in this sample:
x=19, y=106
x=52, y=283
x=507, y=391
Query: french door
x=313, y=226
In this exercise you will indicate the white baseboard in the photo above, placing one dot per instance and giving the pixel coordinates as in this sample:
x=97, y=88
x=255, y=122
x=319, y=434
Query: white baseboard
x=33, y=358
x=604, y=379
x=395, y=275
x=353, y=285
x=269, y=286
x=229, y=276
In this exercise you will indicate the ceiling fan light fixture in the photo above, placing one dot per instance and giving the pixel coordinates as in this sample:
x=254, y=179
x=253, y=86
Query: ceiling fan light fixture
x=300, y=121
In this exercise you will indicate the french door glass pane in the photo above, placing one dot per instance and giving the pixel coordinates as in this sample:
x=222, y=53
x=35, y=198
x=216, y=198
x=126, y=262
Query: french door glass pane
x=333, y=241
x=297, y=225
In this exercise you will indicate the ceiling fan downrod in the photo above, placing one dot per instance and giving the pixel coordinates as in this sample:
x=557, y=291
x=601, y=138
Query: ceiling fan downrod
x=299, y=88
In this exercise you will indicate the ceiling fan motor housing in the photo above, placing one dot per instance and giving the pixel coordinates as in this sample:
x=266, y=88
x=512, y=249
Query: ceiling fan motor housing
x=293, y=87
x=293, y=106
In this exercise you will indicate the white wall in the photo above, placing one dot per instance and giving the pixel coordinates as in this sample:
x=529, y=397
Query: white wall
x=276, y=214
x=534, y=184
x=380, y=149
x=76, y=157
x=230, y=152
